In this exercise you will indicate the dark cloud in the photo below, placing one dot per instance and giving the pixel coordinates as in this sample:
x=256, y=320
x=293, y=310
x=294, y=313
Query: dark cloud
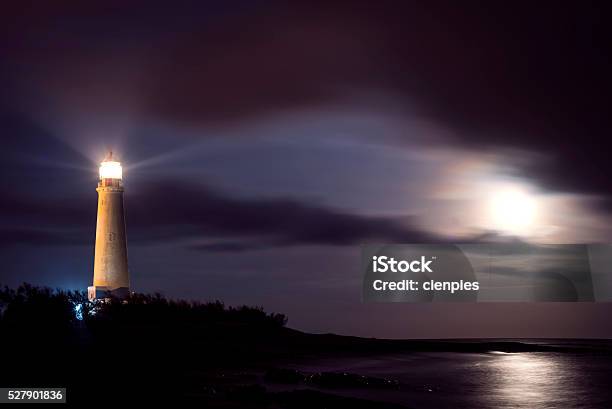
x=38, y=237
x=229, y=247
x=202, y=211
x=529, y=75
x=174, y=210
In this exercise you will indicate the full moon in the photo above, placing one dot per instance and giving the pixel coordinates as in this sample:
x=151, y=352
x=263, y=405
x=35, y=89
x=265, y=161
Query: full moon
x=512, y=211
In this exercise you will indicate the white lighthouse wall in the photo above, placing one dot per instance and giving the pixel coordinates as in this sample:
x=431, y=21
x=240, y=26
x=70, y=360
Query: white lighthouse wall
x=110, y=261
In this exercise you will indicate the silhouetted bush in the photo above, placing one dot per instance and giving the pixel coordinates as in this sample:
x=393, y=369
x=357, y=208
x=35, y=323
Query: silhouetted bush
x=41, y=307
x=134, y=347
x=31, y=308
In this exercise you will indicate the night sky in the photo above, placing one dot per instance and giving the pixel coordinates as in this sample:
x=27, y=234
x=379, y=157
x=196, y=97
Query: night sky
x=262, y=143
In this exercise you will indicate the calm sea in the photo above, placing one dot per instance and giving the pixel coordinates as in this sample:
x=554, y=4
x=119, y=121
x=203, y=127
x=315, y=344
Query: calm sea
x=486, y=380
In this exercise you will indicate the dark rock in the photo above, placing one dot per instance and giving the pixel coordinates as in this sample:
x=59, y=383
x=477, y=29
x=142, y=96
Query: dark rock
x=308, y=399
x=284, y=375
x=348, y=380
x=249, y=394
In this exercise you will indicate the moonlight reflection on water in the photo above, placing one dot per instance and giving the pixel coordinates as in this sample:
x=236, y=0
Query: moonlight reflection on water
x=497, y=380
x=531, y=380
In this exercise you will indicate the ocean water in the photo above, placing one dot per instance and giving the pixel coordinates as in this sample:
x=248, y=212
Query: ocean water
x=484, y=380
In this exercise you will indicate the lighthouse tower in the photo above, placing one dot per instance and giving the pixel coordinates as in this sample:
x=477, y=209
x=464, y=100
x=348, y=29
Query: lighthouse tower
x=111, y=277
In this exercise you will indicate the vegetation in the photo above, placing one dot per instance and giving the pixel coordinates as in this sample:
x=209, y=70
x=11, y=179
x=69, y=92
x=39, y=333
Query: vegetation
x=37, y=307
x=43, y=308
x=141, y=346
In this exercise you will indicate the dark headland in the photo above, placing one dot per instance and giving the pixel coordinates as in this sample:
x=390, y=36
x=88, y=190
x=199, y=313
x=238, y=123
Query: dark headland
x=151, y=349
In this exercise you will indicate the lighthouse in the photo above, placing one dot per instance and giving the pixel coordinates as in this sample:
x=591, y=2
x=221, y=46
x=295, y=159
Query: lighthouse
x=111, y=277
